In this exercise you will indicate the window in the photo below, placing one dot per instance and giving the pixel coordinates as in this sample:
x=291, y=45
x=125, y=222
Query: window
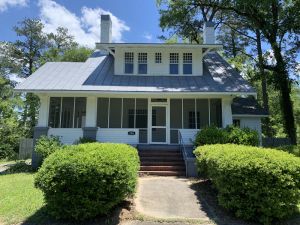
x=129, y=62
x=236, y=123
x=157, y=57
x=174, y=60
x=142, y=61
x=187, y=63
x=67, y=112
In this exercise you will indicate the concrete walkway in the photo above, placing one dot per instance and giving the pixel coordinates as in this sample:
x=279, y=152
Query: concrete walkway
x=168, y=198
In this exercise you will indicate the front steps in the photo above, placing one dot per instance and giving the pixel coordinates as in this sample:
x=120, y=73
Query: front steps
x=161, y=160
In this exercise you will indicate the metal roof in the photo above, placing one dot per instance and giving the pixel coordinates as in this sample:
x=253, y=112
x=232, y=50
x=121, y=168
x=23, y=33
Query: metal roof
x=247, y=106
x=97, y=74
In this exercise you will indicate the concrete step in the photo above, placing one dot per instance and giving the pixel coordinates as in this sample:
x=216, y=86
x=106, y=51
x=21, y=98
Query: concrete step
x=147, y=147
x=163, y=168
x=163, y=173
x=161, y=158
x=162, y=163
x=159, y=153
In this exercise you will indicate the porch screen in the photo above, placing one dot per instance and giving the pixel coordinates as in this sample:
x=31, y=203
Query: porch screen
x=128, y=112
x=115, y=113
x=102, y=112
x=189, y=118
x=175, y=119
x=216, y=112
x=202, y=113
x=67, y=112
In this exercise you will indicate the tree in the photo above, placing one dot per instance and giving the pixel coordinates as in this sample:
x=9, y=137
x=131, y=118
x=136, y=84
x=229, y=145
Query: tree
x=29, y=49
x=76, y=54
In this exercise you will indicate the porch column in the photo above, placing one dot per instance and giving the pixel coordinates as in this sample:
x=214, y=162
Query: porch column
x=90, y=129
x=43, y=111
x=226, y=111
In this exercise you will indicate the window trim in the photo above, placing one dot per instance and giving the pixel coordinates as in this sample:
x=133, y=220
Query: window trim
x=129, y=59
x=142, y=60
x=174, y=60
x=187, y=59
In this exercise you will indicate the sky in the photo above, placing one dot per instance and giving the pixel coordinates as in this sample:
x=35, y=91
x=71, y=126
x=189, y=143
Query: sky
x=133, y=20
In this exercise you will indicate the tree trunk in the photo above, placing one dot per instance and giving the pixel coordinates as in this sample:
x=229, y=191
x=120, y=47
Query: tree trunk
x=265, y=96
x=283, y=83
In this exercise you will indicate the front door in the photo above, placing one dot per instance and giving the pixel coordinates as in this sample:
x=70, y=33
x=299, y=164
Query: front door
x=159, y=125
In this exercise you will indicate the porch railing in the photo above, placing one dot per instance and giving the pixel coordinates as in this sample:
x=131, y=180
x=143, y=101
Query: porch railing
x=183, y=150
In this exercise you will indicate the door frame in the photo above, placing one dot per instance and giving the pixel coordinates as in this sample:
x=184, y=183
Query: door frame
x=167, y=126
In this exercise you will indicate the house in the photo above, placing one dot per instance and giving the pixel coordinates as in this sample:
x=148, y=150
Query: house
x=141, y=93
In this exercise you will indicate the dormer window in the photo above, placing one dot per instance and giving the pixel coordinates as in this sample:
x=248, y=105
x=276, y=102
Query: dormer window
x=187, y=63
x=142, y=63
x=174, y=63
x=158, y=57
x=129, y=58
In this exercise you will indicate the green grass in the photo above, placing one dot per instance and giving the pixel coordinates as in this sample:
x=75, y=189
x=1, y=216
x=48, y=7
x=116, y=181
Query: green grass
x=19, y=199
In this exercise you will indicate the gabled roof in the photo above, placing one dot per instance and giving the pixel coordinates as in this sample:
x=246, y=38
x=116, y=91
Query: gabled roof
x=247, y=106
x=97, y=75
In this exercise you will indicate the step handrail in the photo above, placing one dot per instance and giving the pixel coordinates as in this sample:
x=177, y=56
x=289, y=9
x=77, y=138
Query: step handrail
x=183, y=151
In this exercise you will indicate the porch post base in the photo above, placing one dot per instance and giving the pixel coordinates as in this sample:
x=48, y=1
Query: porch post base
x=36, y=160
x=90, y=132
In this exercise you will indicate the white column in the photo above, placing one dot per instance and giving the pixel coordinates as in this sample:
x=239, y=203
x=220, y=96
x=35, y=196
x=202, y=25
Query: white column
x=91, y=112
x=43, y=111
x=226, y=111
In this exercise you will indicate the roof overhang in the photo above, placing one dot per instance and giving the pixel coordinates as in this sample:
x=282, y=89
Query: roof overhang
x=110, y=47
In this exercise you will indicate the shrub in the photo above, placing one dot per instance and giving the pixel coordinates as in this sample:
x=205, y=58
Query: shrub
x=231, y=134
x=293, y=149
x=84, y=140
x=211, y=135
x=47, y=145
x=242, y=136
x=255, y=183
x=83, y=181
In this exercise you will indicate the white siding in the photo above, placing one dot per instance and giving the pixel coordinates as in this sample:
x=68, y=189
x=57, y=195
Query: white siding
x=158, y=68
x=67, y=135
x=117, y=135
x=188, y=135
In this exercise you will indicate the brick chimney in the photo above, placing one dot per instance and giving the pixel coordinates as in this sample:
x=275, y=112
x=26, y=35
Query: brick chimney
x=209, y=33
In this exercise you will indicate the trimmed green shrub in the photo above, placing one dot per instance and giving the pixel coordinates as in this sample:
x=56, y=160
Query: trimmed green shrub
x=231, y=134
x=86, y=180
x=84, y=140
x=255, y=183
x=242, y=136
x=47, y=145
x=211, y=135
x=293, y=149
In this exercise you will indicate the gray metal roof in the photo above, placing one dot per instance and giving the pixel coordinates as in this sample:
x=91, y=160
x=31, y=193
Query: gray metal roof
x=97, y=74
x=247, y=106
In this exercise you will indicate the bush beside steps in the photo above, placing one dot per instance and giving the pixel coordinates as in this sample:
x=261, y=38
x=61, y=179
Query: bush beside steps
x=86, y=180
x=255, y=183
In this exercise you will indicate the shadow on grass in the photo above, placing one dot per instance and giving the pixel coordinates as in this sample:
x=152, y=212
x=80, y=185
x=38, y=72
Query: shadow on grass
x=207, y=196
x=113, y=218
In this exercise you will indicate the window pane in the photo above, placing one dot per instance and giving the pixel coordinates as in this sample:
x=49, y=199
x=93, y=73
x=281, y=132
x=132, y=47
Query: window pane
x=176, y=113
x=80, y=112
x=174, y=69
x=102, y=112
x=54, y=112
x=115, y=113
x=189, y=120
x=142, y=68
x=157, y=57
x=128, y=113
x=202, y=113
x=67, y=112
x=141, y=113
x=128, y=67
x=187, y=69
x=216, y=112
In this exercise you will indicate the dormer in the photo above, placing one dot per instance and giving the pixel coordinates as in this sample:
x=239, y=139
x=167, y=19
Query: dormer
x=156, y=59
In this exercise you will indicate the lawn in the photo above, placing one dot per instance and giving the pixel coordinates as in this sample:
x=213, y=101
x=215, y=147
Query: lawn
x=19, y=199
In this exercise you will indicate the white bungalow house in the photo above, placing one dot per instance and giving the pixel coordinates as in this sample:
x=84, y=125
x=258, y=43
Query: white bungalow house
x=140, y=93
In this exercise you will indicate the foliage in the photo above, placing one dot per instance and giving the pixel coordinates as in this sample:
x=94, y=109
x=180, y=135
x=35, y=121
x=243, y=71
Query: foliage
x=84, y=140
x=45, y=145
x=242, y=136
x=19, y=167
x=234, y=135
x=255, y=183
x=86, y=180
x=211, y=135
x=76, y=54
x=293, y=149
